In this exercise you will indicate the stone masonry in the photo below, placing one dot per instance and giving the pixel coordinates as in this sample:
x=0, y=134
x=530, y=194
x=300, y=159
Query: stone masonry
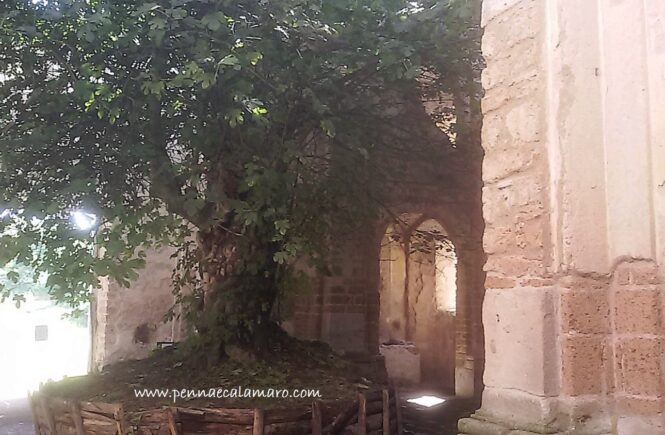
x=574, y=205
x=572, y=334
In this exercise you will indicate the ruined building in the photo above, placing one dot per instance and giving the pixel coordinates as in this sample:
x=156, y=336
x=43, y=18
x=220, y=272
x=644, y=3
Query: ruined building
x=554, y=230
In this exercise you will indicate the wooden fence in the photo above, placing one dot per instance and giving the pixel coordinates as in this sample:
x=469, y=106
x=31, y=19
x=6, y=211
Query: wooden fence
x=372, y=413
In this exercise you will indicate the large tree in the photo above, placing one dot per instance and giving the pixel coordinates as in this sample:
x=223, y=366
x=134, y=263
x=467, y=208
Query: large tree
x=238, y=131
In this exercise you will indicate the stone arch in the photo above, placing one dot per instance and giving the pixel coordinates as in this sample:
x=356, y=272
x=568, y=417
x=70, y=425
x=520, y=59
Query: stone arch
x=433, y=180
x=439, y=334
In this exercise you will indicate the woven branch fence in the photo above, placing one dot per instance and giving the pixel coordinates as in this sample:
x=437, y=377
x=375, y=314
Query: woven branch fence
x=372, y=413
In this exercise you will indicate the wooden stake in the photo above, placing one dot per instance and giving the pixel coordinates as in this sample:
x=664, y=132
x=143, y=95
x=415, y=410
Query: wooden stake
x=317, y=423
x=48, y=414
x=173, y=426
x=386, y=412
x=76, y=417
x=362, y=415
x=259, y=419
x=398, y=412
x=119, y=417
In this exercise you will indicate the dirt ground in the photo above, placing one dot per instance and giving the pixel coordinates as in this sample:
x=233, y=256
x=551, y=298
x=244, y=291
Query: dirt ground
x=293, y=365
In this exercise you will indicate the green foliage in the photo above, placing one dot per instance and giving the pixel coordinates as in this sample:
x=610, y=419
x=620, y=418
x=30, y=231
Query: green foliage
x=17, y=281
x=238, y=131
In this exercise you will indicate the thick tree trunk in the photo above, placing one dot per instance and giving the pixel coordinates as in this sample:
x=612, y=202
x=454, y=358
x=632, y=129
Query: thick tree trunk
x=241, y=280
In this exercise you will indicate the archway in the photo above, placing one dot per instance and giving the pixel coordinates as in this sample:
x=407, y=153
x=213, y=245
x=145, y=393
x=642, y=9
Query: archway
x=418, y=303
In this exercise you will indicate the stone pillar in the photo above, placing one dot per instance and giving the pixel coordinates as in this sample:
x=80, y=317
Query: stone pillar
x=520, y=330
x=574, y=171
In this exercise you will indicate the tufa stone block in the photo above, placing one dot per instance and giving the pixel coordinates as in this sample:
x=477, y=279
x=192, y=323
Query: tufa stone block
x=582, y=365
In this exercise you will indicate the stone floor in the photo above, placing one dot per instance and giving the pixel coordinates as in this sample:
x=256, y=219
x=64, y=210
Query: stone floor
x=15, y=417
x=437, y=420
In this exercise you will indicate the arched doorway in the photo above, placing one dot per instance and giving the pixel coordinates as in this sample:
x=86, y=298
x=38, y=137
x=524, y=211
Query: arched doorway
x=418, y=304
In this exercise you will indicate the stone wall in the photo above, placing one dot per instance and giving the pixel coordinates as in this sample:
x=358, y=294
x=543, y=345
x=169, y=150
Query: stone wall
x=127, y=323
x=573, y=202
x=344, y=308
x=417, y=298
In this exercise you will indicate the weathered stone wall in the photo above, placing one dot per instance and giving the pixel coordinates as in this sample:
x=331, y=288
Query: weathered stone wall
x=416, y=278
x=128, y=322
x=573, y=201
x=344, y=310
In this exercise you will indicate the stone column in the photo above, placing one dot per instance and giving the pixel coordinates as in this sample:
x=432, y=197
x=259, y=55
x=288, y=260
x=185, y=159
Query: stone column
x=573, y=201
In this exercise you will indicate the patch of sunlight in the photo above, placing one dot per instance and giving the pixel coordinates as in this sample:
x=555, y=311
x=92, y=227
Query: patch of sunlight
x=427, y=401
x=83, y=220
